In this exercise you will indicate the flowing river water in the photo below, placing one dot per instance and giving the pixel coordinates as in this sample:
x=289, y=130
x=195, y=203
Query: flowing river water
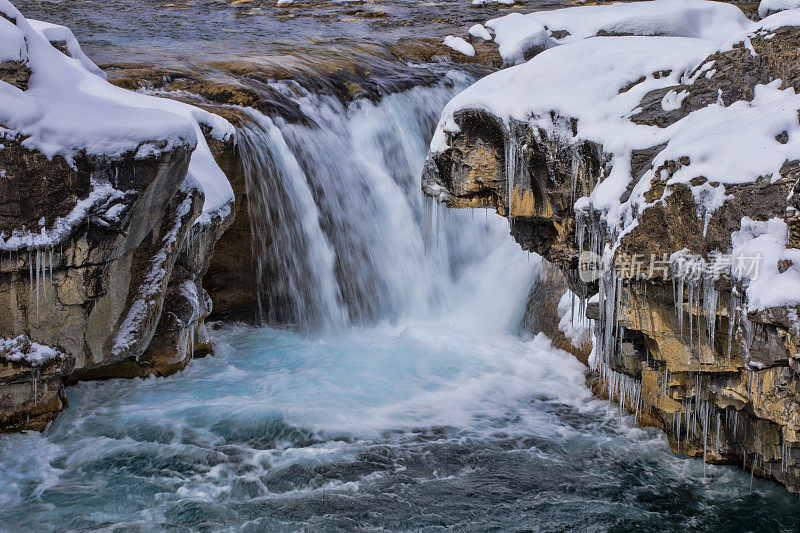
x=404, y=395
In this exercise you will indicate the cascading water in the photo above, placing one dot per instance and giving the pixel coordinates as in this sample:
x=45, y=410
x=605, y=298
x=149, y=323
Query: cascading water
x=414, y=405
x=337, y=214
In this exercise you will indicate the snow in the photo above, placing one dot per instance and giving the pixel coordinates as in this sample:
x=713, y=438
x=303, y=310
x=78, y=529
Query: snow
x=55, y=33
x=673, y=100
x=68, y=108
x=772, y=6
x=581, y=80
x=22, y=350
x=62, y=227
x=757, y=248
x=284, y=2
x=12, y=42
x=679, y=18
x=736, y=144
x=783, y=18
x=516, y=33
x=480, y=32
x=459, y=45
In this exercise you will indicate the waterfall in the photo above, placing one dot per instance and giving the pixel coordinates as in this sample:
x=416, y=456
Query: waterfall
x=339, y=223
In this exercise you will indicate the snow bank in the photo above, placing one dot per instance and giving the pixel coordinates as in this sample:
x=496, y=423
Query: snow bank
x=68, y=108
x=22, y=350
x=515, y=33
x=459, y=45
x=767, y=7
x=757, y=249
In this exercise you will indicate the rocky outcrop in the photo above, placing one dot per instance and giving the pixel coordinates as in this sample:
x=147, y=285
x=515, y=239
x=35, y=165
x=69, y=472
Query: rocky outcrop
x=695, y=355
x=103, y=248
x=121, y=295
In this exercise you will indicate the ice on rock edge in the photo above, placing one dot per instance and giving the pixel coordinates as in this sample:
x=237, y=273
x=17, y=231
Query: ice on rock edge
x=68, y=109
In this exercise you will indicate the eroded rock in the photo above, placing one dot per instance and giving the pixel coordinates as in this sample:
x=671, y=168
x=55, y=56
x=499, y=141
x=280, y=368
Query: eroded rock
x=685, y=356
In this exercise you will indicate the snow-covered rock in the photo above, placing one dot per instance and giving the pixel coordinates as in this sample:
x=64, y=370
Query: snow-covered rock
x=459, y=45
x=522, y=35
x=768, y=7
x=21, y=350
x=67, y=108
x=480, y=31
x=672, y=162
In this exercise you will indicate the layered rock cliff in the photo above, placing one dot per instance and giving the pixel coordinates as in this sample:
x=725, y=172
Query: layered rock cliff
x=659, y=174
x=111, y=206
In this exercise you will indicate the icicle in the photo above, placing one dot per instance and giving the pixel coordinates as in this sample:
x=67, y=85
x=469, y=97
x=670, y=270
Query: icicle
x=710, y=302
x=35, y=387
x=44, y=275
x=38, y=255
x=705, y=435
x=731, y=322
x=679, y=304
x=691, y=316
x=30, y=273
x=572, y=308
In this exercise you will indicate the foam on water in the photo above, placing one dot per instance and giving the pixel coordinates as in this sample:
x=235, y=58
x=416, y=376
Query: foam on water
x=388, y=426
